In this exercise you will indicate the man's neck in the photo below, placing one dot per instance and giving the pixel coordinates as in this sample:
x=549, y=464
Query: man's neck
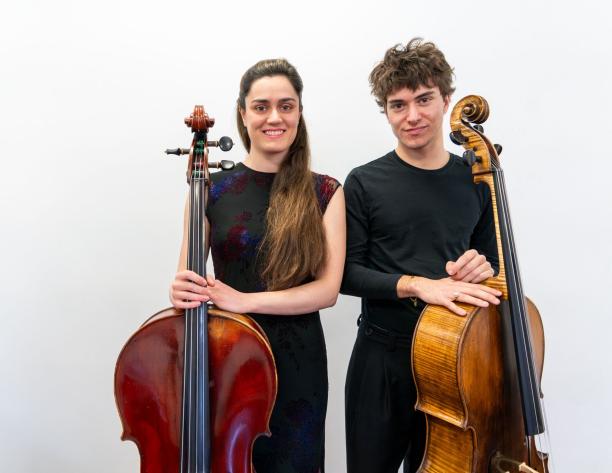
x=428, y=157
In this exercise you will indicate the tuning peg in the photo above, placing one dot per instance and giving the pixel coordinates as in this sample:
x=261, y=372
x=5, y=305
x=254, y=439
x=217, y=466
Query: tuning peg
x=225, y=143
x=457, y=138
x=498, y=148
x=224, y=164
x=478, y=128
x=470, y=157
x=178, y=151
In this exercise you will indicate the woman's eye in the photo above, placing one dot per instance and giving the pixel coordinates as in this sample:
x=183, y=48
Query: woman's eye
x=286, y=107
x=260, y=108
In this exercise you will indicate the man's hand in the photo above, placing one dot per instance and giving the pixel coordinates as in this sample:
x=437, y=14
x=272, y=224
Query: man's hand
x=470, y=267
x=446, y=292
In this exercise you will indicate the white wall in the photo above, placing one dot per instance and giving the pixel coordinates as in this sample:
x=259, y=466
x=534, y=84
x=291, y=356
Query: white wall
x=92, y=92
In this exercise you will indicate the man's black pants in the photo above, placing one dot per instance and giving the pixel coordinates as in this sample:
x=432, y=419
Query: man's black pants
x=382, y=426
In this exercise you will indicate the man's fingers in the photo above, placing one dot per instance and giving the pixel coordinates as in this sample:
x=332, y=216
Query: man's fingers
x=450, y=268
x=478, y=274
x=469, y=288
x=472, y=300
x=450, y=305
x=463, y=260
x=476, y=262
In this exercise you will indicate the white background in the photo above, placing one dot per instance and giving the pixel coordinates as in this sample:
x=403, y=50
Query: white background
x=91, y=93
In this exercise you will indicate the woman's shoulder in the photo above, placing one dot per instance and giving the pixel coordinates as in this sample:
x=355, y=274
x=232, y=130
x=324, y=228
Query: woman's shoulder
x=232, y=181
x=325, y=188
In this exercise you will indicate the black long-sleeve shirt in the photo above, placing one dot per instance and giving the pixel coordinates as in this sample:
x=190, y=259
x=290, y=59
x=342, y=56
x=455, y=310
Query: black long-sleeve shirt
x=405, y=220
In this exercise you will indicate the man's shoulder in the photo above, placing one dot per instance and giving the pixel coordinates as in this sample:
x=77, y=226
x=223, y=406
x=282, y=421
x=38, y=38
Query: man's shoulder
x=373, y=167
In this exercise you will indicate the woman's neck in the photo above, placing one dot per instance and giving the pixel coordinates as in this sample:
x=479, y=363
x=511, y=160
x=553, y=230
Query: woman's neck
x=264, y=162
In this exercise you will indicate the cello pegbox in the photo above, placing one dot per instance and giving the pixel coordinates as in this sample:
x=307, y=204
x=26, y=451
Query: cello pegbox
x=199, y=120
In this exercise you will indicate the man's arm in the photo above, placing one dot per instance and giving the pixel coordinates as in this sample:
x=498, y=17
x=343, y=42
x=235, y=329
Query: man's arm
x=360, y=280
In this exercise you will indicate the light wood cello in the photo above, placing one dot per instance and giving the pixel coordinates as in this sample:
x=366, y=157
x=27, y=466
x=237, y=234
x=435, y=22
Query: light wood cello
x=195, y=388
x=478, y=376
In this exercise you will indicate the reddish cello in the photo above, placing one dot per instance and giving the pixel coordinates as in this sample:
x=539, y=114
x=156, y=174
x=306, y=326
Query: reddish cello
x=478, y=376
x=195, y=388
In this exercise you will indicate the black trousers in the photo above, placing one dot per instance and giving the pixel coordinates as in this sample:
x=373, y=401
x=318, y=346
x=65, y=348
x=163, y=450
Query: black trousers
x=382, y=426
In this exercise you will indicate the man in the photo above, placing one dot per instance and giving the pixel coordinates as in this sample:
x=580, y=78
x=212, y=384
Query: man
x=419, y=232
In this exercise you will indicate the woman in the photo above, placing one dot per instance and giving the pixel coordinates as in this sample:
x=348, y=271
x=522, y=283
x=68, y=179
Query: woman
x=277, y=233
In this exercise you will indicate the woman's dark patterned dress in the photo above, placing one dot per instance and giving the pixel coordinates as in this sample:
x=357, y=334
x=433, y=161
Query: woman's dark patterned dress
x=237, y=211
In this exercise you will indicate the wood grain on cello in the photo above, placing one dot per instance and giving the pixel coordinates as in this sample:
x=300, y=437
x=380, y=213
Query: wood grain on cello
x=478, y=376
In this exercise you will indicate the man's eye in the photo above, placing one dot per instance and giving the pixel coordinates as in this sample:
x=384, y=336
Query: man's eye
x=425, y=100
x=397, y=106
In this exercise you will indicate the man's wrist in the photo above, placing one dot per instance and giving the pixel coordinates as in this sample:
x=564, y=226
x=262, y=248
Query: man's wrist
x=407, y=286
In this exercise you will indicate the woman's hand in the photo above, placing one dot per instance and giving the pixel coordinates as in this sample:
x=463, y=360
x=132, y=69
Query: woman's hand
x=226, y=297
x=187, y=290
x=470, y=267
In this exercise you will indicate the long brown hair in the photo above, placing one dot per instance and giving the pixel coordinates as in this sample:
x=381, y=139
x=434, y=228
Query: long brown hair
x=293, y=247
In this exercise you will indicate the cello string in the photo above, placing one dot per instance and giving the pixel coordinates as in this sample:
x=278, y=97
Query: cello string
x=188, y=362
x=548, y=442
x=193, y=327
x=524, y=315
x=199, y=341
x=538, y=439
x=521, y=312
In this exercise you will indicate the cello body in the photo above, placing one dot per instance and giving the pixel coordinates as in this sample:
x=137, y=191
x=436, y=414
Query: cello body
x=478, y=376
x=195, y=388
x=471, y=405
x=149, y=384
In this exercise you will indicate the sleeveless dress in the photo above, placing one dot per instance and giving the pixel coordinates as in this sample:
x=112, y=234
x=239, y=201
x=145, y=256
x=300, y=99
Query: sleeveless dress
x=238, y=201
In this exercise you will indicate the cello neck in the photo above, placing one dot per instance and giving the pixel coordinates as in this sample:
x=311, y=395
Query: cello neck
x=196, y=433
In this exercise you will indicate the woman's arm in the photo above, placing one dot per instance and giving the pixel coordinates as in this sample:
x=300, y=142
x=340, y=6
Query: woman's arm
x=309, y=297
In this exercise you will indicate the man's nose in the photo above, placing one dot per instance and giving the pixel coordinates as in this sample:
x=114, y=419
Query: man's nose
x=412, y=114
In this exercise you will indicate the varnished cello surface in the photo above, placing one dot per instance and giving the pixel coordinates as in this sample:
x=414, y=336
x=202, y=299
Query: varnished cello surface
x=149, y=384
x=478, y=376
x=471, y=407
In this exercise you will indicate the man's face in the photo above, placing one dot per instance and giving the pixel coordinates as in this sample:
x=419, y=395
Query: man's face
x=416, y=116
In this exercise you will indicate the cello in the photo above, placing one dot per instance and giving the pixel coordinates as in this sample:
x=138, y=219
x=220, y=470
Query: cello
x=195, y=388
x=478, y=376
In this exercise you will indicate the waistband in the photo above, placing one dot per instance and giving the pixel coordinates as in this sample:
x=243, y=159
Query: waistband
x=381, y=335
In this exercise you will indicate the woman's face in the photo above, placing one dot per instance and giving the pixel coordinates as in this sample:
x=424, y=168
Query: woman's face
x=271, y=115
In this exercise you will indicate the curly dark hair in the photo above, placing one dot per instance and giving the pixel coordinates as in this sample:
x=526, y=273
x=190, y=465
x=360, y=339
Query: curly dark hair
x=416, y=64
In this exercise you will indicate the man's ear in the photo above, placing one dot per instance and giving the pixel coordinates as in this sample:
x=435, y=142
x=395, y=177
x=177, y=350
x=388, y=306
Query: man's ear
x=447, y=101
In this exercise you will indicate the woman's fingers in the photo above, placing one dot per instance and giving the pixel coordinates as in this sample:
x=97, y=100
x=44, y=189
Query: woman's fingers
x=189, y=296
x=188, y=275
x=188, y=287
